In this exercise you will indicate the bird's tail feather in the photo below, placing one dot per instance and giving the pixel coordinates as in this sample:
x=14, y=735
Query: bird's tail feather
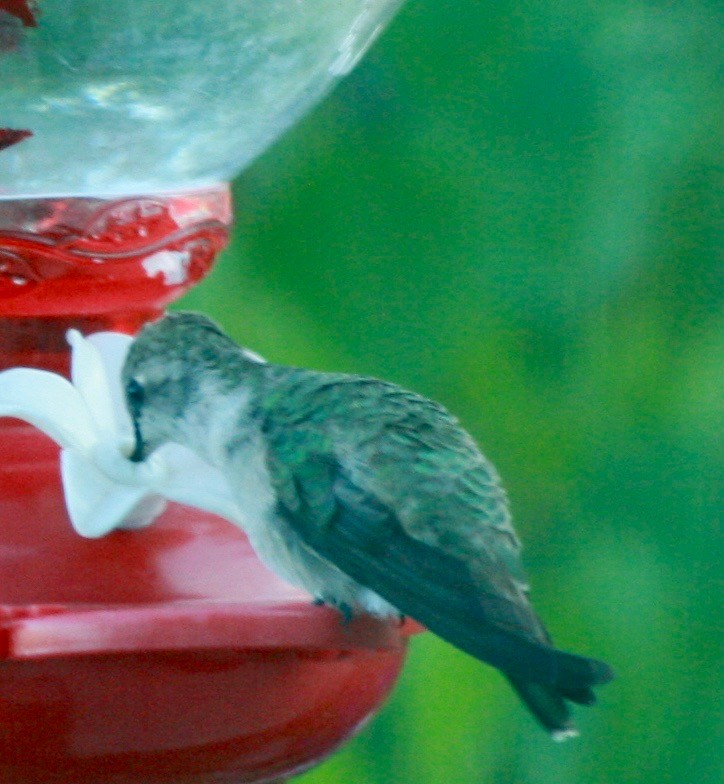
x=548, y=706
x=570, y=675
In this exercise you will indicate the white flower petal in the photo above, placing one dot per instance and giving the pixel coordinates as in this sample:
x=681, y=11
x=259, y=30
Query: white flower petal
x=109, y=457
x=144, y=513
x=193, y=482
x=97, y=505
x=89, y=378
x=113, y=347
x=49, y=402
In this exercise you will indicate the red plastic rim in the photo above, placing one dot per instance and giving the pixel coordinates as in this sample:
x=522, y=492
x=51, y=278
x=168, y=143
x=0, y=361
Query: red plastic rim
x=42, y=631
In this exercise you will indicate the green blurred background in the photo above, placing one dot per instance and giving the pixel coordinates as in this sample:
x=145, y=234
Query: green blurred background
x=511, y=207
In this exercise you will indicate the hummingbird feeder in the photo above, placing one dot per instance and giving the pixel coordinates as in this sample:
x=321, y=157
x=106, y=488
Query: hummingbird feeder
x=165, y=654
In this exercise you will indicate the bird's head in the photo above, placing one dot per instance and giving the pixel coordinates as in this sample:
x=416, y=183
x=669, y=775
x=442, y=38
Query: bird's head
x=172, y=369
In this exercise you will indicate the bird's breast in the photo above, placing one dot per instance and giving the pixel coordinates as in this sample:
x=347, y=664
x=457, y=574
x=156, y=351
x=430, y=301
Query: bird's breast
x=251, y=483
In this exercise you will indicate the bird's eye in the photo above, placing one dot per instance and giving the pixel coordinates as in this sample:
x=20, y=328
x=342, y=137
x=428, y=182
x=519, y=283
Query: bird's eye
x=135, y=392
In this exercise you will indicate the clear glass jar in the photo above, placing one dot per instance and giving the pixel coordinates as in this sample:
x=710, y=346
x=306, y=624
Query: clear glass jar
x=109, y=97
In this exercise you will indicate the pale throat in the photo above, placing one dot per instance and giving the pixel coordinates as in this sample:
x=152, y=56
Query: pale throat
x=214, y=421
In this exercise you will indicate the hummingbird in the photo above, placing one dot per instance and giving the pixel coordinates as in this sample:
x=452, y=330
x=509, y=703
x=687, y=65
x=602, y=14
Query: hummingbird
x=371, y=498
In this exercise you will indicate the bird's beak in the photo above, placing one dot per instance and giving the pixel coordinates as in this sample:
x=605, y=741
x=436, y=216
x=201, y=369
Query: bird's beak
x=139, y=450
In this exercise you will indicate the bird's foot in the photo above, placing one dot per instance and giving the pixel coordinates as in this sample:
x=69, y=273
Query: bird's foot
x=344, y=609
x=347, y=613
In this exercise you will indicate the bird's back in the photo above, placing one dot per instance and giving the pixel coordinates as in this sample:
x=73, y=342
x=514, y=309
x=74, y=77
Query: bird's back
x=413, y=456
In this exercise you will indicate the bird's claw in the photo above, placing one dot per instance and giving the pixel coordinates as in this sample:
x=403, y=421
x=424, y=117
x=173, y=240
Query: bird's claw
x=344, y=609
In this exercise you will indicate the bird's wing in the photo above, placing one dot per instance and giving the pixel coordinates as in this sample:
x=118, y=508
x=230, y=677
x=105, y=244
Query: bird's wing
x=362, y=536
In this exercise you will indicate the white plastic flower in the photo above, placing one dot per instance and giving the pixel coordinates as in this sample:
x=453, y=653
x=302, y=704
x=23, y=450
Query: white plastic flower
x=103, y=489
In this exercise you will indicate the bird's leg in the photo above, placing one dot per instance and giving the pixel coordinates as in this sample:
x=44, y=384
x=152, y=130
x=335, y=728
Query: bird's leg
x=344, y=609
x=347, y=613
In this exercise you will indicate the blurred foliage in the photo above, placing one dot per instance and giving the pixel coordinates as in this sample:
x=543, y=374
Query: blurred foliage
x=511, y=208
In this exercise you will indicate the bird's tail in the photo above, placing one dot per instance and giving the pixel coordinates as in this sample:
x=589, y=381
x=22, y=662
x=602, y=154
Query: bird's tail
x=550, y=705
x=545, y=678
